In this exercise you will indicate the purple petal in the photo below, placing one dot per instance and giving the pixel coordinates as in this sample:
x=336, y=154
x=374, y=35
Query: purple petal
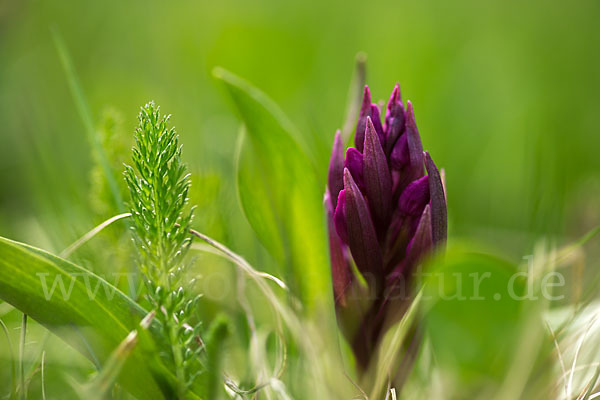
x=400, y=156
x=335, y=179
x=403, y=225
x=341, y=273
x=420, y=244
x=365, y=111
x=354, y=163
x=439, y=218
x=394, y=119
x=362, y=238
x=339, y=217
x=378, y=181
x=415, y=148
x=415, y=197
x=422, y=241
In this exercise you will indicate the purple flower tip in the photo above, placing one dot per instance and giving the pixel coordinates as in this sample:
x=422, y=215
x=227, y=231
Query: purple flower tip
x=354, y=163
x=366, y=97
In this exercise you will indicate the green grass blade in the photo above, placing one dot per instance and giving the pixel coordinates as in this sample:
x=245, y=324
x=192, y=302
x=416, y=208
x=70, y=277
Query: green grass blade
x=43, y=373
x=22, y=386
x=88, y=236
x=355, y=93
x=83, y=109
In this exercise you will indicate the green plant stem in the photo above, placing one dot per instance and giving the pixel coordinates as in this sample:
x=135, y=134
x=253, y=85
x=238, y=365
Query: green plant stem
x=43, y=375
x=170, y=325
x=22, y=356
x=178, y=358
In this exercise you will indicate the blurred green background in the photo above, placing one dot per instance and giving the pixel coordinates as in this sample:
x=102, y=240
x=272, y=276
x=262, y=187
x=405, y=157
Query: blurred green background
x=506, y=96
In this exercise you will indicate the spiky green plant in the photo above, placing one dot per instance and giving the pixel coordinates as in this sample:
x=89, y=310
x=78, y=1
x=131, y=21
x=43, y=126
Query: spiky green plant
x=158, y=184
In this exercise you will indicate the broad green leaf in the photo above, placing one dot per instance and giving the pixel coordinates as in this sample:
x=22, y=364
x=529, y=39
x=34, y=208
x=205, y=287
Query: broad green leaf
x=257, y=200
x=474, y=312
x=279, y=189
x=86, y=311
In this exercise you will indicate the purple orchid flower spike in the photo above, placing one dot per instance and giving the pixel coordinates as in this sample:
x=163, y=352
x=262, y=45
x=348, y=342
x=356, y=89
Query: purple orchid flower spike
x=386, y=211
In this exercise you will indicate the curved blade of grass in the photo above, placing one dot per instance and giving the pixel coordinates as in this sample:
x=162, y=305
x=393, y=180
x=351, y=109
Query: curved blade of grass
x=216, y=248
x=578, y=349
x=280, y=191
x=85, y=238
x=36, y=360
x=591, y=385
x=559, y=354
x=60, y=295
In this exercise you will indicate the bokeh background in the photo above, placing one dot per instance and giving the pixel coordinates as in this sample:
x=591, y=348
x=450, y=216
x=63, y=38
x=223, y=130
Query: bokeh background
x=506, y=96
x=505, y=93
